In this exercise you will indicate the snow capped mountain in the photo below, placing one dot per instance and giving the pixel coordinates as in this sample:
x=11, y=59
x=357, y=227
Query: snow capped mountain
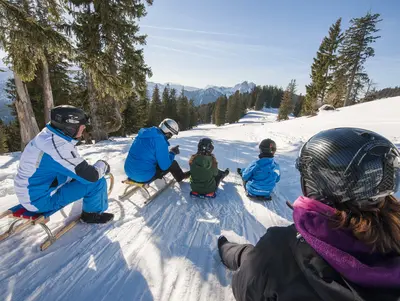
x=204, y=96
x=177, y=87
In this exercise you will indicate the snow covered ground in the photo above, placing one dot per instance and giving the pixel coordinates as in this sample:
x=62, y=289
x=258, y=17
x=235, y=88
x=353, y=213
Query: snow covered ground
x=167, y=250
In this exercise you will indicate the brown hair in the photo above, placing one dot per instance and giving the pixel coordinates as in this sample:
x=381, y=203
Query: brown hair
x=377, y=226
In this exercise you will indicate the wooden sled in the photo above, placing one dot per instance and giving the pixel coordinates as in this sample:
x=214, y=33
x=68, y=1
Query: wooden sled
x=23, y=219
x=134, y=186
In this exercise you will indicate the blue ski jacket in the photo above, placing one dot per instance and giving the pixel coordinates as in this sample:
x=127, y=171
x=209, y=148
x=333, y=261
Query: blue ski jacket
x=49, y=161
x=148, y=150
x=261, y=176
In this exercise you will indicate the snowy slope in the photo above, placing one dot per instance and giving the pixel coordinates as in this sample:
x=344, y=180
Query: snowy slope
x=167, y=250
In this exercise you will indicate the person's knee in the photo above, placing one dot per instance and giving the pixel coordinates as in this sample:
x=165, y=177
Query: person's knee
x=99, y=185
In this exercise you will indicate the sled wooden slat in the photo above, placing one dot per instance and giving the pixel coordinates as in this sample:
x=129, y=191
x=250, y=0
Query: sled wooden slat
x=60, y=233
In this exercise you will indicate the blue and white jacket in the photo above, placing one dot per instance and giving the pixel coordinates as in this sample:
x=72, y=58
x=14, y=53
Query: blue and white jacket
x=261, y=176
x=48, y=162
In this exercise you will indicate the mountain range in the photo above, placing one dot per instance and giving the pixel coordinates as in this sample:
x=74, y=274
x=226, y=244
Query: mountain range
x=200, y=96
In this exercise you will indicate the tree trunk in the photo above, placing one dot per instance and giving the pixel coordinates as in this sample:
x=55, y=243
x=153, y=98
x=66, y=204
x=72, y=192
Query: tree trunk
x=98, y=133
x=325, y=86
x=27, y=121
x=347, y=100
x=87, y=137
x=116, y=122
x=47, y=91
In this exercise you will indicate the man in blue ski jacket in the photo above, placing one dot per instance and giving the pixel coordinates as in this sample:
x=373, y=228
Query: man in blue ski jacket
x=51, y=174
x=261, y=176
x=149, y=157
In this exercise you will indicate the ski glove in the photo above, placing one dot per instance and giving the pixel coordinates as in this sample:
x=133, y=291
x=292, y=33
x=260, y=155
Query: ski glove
x=102, y=168
x=175, y=150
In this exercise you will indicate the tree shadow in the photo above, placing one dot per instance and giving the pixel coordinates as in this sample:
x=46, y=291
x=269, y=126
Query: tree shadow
x=14, y=158
x=86, y=264
x=193, y=226
x=188, y=227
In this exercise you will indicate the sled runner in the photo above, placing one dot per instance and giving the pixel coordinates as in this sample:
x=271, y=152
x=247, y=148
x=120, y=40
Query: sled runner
x=211, y=195
x=134, y=186
x=23, y=219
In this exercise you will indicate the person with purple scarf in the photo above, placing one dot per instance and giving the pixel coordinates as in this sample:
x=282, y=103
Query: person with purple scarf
x=345, y=240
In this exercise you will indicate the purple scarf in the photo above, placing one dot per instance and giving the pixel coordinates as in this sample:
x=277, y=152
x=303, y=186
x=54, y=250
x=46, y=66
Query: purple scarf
x=341, y=249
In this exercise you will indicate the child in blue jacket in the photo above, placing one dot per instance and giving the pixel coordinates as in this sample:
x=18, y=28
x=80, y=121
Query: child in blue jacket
x=262, y=175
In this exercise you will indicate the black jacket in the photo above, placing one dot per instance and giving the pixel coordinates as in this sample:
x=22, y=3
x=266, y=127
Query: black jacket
x=283, y=267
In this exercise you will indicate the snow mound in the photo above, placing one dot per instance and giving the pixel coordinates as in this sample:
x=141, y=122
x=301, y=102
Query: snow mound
x=167, y=250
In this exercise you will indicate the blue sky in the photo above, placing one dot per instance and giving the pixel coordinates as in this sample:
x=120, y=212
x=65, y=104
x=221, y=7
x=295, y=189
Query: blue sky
x=221, y=42
x=224, y=42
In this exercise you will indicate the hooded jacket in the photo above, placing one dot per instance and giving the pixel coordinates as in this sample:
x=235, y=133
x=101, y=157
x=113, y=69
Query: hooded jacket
x=203, y=170
x=48, y=162
x=311, y=260
x=261, y=177
x=148, y=150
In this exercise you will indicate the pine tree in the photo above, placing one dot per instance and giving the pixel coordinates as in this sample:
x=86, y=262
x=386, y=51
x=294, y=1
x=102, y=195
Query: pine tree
x=252, y=100
x=155, y=113
x=165, y=100
x=299, y=105
x=260, y=101
x=173, y=104
x=3, y=139
x=243, y=104
x=322, y=66
x=277, y=94
x=338, y=89
x=193, y=114
x=12, y=130
x=183, y=112
x=169, y=102
x=20, y=26
x=220, y=110
x=310, y=104
x=356, y=48
x=287, y=101
x=109, y=51
x=143, y=112
x=230, y=110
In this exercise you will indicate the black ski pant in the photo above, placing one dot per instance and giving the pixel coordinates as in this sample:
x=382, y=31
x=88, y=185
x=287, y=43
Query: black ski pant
x=233, y=254
x=219, y=177
x=174, y=169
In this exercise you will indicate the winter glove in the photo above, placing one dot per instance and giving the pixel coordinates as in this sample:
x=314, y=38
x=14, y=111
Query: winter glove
x=175, y=150
x=102, y=168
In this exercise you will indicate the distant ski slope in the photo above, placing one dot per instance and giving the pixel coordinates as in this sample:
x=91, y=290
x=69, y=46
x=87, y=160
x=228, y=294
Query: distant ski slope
x=167, y=250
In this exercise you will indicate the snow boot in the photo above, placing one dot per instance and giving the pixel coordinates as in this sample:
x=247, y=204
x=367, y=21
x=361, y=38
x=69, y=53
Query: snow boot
x=96, y=218
x=221, y=241
x=226, y=172
x=186, y=174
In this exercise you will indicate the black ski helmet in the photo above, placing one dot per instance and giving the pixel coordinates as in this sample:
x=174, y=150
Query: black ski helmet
x=267, y=146
x=205, y=146
x=68, y=119
x=349, y=165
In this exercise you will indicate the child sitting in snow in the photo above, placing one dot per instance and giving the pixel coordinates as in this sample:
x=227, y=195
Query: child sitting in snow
x=262, y=175
x=204, y=173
